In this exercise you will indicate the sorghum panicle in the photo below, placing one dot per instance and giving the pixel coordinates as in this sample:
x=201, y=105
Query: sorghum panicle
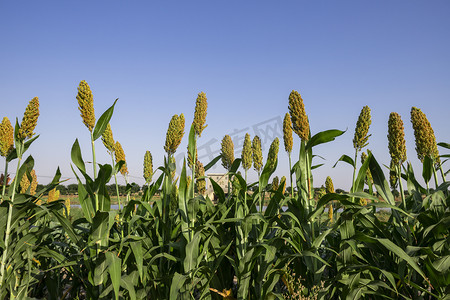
x=369, y=178
x=200, y=183
x=25, y=183
x=396, y=138
x=6, y=137
x=247, y=152
x=287, y=133
x=275, y=183
x=393, y=178
x=148, y=167
x=86, y=105
x=273, y=153
x=227, y=152
x=257, y=154
x=29, y=120
x=424, y=134
x=108, y=139
x=283, y=183
x=174, y=134
x=329, y=185
x=298, y=115
x=361, y=137
x=201, y=106
x=120, y=155
x=189, y=159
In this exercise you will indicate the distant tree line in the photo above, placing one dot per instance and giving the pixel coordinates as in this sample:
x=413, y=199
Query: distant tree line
x=72, y=189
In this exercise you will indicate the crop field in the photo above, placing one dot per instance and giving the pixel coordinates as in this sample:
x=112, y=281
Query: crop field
x=174, y=242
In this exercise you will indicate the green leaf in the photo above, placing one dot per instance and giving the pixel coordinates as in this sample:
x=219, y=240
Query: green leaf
x=427, y=168
x=347, y=159
x=213, y=162
x=401, y=254
x=99, y=230
x=190, y=259
x=136, y=246
x=103, y=121
x=379, y=181
x=177, y=282
x=114, y=270
x=323, y=137
x=77, y=159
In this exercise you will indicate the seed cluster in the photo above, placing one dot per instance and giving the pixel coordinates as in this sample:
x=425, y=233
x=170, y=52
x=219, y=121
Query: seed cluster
x=25, y=183
x=329, y=185
x=108, y=139
x=287, y=133
x=29, y=120
x=174, y=134
x=200, y=182
x=257, y=154
x=361, y=137
x=86, y=105
x=200, y=113
x=273, y=153
x=424, y=134
x=6, y=137
x=247, y=152
x=148, y=167
x=396, y=138
x=120, y=155
x=298, y=115
x=227, y=152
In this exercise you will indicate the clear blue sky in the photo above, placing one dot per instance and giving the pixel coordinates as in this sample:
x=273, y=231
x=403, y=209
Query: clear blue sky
x=247, y=56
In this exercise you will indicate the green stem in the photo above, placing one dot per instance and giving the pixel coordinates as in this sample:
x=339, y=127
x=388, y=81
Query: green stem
x=5, y=180
x=8, y=222
x=442, y=173
x=435, y=177
x=115, y=179
x=94, y=164
x=192, y=220
x=400, y=185
x=290, y=175
x=354, y=174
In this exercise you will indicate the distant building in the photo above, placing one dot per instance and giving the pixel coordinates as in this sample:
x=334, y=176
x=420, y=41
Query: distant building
x=221, y=179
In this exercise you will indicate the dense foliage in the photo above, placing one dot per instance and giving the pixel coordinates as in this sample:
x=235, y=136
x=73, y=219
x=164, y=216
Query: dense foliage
x=183, y=245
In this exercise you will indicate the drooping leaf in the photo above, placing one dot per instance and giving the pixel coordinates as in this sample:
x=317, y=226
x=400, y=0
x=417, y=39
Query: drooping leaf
x=103, y=122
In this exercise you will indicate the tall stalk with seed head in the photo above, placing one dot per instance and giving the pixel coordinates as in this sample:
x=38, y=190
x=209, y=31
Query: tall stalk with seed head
x=227, y=153
x=201, y=105
x=425, y=140
x=247, y=155
x=300, y=125
x=272, y=158
x=397, y=148
x=25, y=131
x=361, y=138
x=6, y=146
x=110, y=144
x=288, y=143
x=86, y=107
x=257, y=155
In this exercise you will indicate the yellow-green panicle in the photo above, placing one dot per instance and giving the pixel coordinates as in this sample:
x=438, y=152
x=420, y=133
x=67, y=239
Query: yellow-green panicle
x=424, y=134
x=227, y=151
x=257, y=154
x=396, y=139
x=25, y=183
x=174, y=134
x=6, y=137
x=86, y=105
x=29, y=120
x=120, y=155
x=247, y=152
x=273, y=153
x=329, y=185
x=298, y=115
x=108, y=139
x=148, y=167
x=361, y=137
x=287, y=133
x=201, y=106
x=200, y=182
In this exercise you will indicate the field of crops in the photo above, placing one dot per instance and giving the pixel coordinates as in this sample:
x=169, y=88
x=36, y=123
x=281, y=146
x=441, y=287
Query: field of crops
x=181, y=244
